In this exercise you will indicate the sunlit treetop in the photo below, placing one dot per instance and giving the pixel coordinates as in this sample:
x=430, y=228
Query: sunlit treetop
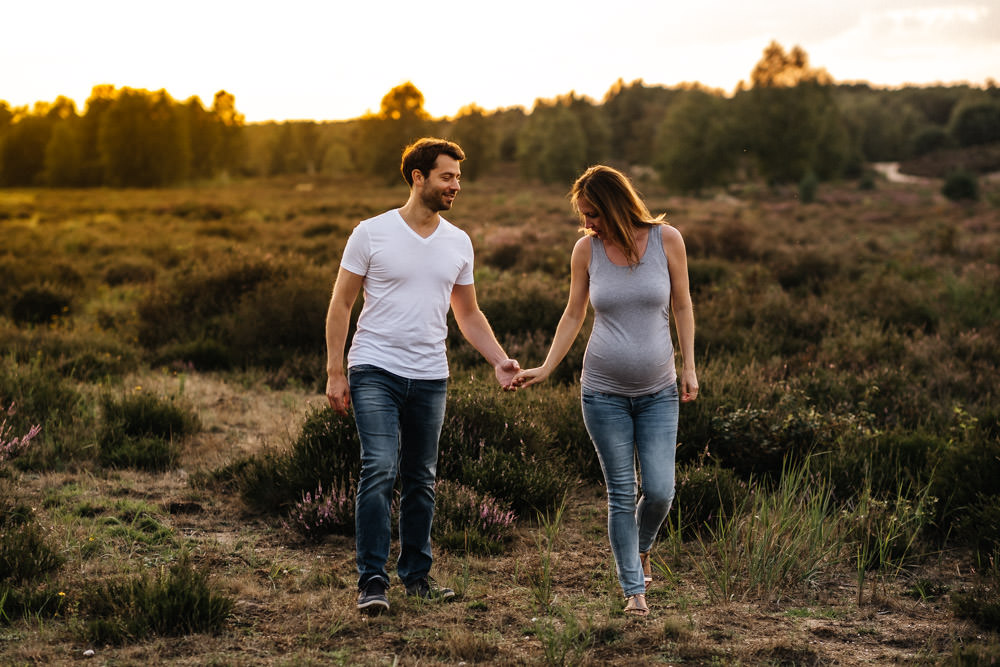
x=777, y=69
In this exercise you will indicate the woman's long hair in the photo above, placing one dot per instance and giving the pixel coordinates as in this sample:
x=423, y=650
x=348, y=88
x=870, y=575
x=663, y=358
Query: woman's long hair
x=613, y=195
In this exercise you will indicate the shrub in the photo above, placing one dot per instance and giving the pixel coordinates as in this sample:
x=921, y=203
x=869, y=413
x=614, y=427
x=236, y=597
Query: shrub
x=326, y=451
x=808, y=187
x=29, y=601
x=25, y=556
x=980, y=605
x=520, y=304
x=77, y=352
x=202, y=355
x=704, y=274
x=465, y=520
x=704, y=493
x=186, y=307
x=39, y=303
x=931, y=139
x=43, y=397
x=481, y=415
x=979, y=523
x=274, y=320
x=143, y=431
x=322, y=513
x=174, y=602
x=143, y=453
x=128, y=271
x=974, y=458
x=975, y=122
x=883, y=460
x=263, y=308
x=883, y=530
x=12, y=445
x=757, y=440
x=867, y=180
x=961, y=185
x=810, y=267
x=529, y=484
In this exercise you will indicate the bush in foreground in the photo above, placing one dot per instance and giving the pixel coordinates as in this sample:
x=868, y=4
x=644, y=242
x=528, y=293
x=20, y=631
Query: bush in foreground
x=172, y=602
x=144, y=431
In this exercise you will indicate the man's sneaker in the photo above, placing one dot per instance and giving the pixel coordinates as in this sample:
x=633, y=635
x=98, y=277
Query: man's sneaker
x=372, y=598
x=429, y=590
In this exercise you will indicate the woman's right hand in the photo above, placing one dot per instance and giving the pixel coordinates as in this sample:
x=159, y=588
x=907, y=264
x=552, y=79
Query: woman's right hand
x=531, y=376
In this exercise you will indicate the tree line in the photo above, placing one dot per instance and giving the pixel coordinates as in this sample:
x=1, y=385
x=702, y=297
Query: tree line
x=125, y=137
x=791, y=121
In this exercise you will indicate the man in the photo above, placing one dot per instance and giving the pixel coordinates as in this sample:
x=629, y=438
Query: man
x=412, y=264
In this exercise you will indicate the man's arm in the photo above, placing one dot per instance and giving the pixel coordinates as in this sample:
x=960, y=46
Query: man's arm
x=338, y=316
x=476, y=329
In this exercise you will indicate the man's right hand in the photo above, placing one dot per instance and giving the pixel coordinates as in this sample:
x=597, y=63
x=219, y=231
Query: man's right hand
x=338, y=393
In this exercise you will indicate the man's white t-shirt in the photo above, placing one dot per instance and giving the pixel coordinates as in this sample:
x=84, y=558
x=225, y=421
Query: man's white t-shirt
x=408, y=282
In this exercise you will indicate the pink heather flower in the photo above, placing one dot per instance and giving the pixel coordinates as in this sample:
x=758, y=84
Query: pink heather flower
x=14, y=446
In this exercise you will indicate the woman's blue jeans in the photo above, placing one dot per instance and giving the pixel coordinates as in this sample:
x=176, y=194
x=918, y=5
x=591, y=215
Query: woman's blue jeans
x=621, y=428
x=399, y=423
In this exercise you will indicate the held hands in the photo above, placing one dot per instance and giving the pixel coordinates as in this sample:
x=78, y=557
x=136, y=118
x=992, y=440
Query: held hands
x=506, y=371
x=338, y=393
x=531, y=376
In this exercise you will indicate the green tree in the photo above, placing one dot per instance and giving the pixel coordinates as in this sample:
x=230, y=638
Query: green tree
x=474, y=132
x=143, y=140
x=634, y=114
x=834, y=152
x=22, y=156
x=785, y=113
x=233, y=143
x=381, y=137
x=507, y=124
x=298, y=149
x=596, y=133
x=205, y=139
x=882, y=124
x=6, y=116
x=64, y=155
x=285, y=151
x=931, y=139
x=695, y=146
x=976, y=123
x=551, y=145
x=92, y=171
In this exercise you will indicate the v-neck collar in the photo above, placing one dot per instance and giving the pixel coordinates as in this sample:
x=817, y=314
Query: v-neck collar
x=422, y=239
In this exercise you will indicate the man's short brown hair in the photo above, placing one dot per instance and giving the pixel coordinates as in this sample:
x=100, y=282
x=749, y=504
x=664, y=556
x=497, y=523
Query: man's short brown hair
x=423, y=154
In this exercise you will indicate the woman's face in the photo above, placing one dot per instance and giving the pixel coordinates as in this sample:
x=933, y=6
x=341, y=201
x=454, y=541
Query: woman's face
x=592, y=219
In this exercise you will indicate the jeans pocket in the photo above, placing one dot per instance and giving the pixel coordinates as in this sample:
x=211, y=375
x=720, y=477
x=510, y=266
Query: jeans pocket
x=363, y=368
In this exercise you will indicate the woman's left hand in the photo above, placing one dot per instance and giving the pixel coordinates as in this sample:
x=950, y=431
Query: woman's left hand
x=689, y=385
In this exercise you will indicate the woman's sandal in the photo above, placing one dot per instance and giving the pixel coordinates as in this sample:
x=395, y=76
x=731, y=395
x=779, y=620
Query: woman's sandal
x=636, y=605
x=647, y=570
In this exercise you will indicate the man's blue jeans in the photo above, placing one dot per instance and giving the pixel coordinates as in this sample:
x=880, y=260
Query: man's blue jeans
x=622, y=427
x=399, y=423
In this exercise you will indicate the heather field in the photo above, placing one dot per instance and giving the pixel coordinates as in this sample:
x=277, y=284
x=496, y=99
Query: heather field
x=186, y=497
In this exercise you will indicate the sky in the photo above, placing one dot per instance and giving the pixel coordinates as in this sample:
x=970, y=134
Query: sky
x=334, y=60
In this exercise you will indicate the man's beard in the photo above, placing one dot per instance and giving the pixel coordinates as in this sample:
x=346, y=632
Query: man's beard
x=436, y=201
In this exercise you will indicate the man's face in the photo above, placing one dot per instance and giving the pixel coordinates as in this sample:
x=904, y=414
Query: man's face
x=439, y=189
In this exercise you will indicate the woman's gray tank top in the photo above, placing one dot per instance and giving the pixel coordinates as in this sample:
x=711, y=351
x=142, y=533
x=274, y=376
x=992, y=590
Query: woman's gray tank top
x=630, y=352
